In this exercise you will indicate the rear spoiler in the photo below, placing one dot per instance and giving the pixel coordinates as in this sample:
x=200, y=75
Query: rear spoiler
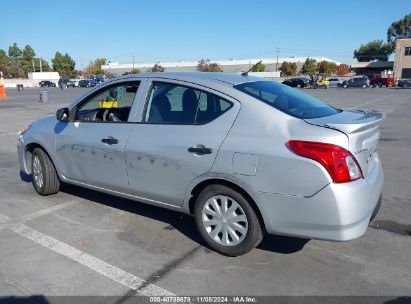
x=350, y=122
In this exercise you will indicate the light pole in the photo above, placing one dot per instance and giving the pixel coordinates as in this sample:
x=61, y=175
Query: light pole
x=278, y=52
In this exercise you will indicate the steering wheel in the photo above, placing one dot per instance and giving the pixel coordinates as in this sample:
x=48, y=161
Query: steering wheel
x=104, y=116
x=108, y=115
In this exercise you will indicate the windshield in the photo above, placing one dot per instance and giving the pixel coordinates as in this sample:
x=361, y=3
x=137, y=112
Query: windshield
x=287, y=100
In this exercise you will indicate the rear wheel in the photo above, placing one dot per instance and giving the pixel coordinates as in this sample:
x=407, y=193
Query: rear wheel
x=45, y=179
x=345, y=86
x=227, y=221
x=379, y=84
x=406, y=85
x=364, y=86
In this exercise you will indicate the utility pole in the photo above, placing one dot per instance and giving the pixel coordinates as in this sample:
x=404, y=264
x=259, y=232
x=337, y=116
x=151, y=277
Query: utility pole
x=41, y=68
x=133, y=61
x=32, y=62
x=278, y=52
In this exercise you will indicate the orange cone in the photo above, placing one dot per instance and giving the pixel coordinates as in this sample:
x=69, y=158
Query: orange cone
x=3, y=94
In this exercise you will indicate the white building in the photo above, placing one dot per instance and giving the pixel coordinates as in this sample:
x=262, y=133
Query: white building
x=52, y=76
x=230, y=65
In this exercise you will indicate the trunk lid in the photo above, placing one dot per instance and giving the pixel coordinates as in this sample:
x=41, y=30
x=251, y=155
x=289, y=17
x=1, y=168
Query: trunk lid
x=362, y=130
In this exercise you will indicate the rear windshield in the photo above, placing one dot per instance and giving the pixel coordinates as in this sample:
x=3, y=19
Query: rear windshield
x=287, y=100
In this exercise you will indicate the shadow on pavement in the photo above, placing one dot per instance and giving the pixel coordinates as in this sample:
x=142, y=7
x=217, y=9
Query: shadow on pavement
x=178, y=221
x=25, y=300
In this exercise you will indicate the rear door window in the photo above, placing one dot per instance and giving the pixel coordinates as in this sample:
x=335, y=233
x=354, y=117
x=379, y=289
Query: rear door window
x=287, y=100
x=169, y=103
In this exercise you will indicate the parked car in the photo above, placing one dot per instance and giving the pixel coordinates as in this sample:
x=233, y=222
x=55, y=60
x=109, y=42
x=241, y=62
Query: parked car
x=87, y=83
x=404, y=83
x=75, y=81
x=46, y=83
x=99, y=80
x=335, y=82
x=241, y=154
x=377, y=80
x=297, y=82
x=67, y=82
x=359, y=82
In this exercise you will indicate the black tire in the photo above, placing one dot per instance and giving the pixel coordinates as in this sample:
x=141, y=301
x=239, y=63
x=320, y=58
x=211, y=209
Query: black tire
x=406, y=85
x=51, y=181
x=345, y=86
x=379, y=84
x=364, y=86
x=254, y=233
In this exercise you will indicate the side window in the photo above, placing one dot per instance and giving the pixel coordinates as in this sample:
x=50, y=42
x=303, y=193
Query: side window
x=174, y=104
x=407, y=51
x=112, y=103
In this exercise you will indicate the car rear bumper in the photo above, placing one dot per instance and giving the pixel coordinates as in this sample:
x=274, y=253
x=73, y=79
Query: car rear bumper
x=338, y=212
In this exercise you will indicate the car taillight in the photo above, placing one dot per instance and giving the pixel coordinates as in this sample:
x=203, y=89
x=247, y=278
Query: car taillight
x=340, y=163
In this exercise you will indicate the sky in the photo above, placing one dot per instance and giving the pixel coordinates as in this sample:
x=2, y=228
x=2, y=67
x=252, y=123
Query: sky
x=161, y=30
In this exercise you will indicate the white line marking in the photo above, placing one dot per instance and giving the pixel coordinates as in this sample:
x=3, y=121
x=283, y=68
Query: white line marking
x=112, y=272
x=116, y=274
x=5, y=221
x=31, y=216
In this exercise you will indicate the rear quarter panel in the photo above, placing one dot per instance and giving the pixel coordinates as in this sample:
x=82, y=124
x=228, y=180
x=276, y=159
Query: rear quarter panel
x=263, y=131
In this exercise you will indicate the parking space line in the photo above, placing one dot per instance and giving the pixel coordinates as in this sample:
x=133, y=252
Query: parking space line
x=112, y=272
x=5, y=221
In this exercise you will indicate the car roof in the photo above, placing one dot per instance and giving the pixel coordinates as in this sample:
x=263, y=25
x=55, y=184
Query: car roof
x=196, y=77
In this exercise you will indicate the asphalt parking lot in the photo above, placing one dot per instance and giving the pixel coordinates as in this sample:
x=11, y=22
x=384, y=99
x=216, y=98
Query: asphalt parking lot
x=80, y=242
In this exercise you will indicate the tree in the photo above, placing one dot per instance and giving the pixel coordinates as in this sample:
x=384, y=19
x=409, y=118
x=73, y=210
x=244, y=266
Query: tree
x=3, y=56
x=373, y=50
x=27, y=59
x=207, y=66
x=156, y=68
x=94, y=67
x=63, y=64
x=258, y=67
x=9, y=67
x=288, y=68
x=309, y=67
x=45, y=67
x=326, y=67
x=135, y=71
x=15, y=52
x=342, y=69
x=399, y=29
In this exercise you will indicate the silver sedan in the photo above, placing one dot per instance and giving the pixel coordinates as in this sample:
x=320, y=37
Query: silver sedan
x=244, y=155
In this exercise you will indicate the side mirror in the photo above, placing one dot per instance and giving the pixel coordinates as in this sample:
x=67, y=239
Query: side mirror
x=63, y=114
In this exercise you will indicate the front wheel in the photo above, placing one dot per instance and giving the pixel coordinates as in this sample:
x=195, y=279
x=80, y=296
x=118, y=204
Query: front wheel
x=226, y=221
x=45, y=178
x=364, y=86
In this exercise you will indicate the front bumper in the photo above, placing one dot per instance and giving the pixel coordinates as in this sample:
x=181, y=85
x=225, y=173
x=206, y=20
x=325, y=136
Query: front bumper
x=338, y=212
